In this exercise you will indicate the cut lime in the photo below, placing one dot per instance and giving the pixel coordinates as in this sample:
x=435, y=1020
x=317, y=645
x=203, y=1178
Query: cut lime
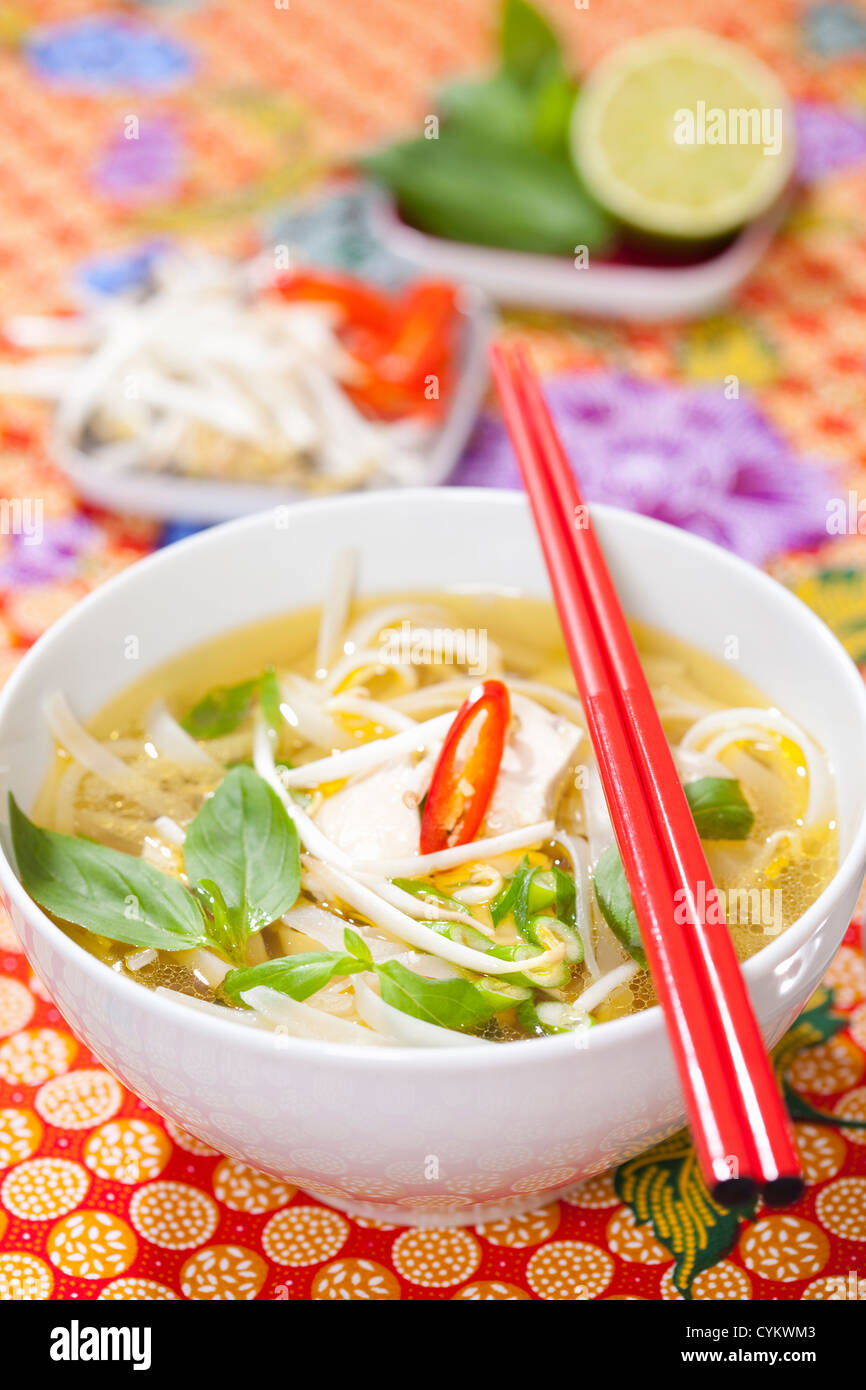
x=683, y=135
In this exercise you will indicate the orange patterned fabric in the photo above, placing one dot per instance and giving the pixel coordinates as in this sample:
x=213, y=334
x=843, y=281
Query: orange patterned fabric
x=100, y=1197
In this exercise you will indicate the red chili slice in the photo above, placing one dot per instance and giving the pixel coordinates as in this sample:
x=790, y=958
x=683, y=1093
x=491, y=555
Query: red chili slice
x=466, y=769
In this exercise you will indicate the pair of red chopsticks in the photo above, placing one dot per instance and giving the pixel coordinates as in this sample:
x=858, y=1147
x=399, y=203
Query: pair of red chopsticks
x=738, y=1122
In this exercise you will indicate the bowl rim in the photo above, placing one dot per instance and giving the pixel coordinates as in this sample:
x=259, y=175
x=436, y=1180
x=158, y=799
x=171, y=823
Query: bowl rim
x=523, y=1052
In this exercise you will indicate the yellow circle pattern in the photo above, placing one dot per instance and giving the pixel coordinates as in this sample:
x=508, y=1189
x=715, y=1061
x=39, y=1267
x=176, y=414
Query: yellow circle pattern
x=569, y=1270
x=44, y=1188
x=91, y=1245
x=304, y=1235
x=24, y=1278
x=435, y=1259
x=79, y=1099
x=223, y=1273
x=127, y=1151
x=20, y=1135
x=173, y=1215
x=35, y=1055
x=16, y=1006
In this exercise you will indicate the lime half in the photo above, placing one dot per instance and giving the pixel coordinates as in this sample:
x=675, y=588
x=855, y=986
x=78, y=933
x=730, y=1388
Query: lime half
x=683, y=135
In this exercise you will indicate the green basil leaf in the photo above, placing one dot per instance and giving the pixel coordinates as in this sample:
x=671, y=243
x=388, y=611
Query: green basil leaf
x=614, y=898
x=521, y=909
x=113, y=894
x=529, y=45
x=269, y=695
x=468, y=187
x=448, y=1003
x=566, y=898
x=298, y=976
x=720, y=809
x=357, y=946
x=243, y=839
x=506, y=898
x=498, y=109
x=227, y=929
x=220, y=711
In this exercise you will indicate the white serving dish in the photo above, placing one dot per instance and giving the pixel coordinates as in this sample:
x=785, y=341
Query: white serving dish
x=447, y=1135
x=605, y=290
x=163, y=496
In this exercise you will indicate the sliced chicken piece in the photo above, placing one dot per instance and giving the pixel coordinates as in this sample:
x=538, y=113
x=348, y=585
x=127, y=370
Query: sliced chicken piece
x=541, y=748
x=375, y=816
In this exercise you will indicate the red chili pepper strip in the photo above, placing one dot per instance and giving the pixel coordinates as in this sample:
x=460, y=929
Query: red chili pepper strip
x=424, y=329
x=362, y=304
x=466, y=769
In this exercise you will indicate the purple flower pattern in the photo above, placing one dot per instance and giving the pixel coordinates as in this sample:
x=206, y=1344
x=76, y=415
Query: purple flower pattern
x=693, y=458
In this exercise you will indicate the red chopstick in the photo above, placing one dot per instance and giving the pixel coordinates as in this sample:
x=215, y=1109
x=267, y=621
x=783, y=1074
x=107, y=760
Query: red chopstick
x=738, y=1121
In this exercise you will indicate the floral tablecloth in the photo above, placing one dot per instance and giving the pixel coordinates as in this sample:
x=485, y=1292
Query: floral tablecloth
x=238, y=105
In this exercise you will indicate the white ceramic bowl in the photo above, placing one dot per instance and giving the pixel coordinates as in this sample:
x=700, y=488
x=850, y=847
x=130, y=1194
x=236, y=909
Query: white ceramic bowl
x=451, y=1135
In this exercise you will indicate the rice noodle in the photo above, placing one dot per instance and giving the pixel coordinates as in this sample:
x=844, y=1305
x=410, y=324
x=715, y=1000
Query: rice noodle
x=524, y=837
x=373, y=710
x=403, y=1028
x=279, y=1011
x=370, y=626
x=209, y=967
x=744, y=723
x=366, y=900
x=599, y=828
x=692, y=765
x=170, y=830
x=335, y=609
x=301, y=707
x=82, y=746
x=601, y=988
x=419, y=908
x=67, y=794
x=367, y=658
x=576, y=850
x=139, y=959
x=173, y=742
x=485, y=883
x=329, y=930
x=309, y=834
x=366, y=756
x=94, y=756
x=454, y=691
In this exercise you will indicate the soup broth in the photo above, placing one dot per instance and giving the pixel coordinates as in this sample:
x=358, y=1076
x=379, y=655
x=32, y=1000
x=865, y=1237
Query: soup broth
x=507, y=933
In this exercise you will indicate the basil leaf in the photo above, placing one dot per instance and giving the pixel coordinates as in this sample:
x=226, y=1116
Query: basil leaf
x=220, y=711
x=499, y=109
x=613, y=896
x=297, y=976
x=566, y=898
x=506, y=898
x=720, y=809
x=529, y=45
x=521, y=909
x=243, y=839
x=468, y=187
x=357, y=946
x=227, y=930
x=449, y=1003
x=269, y=695
x=113, y=894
